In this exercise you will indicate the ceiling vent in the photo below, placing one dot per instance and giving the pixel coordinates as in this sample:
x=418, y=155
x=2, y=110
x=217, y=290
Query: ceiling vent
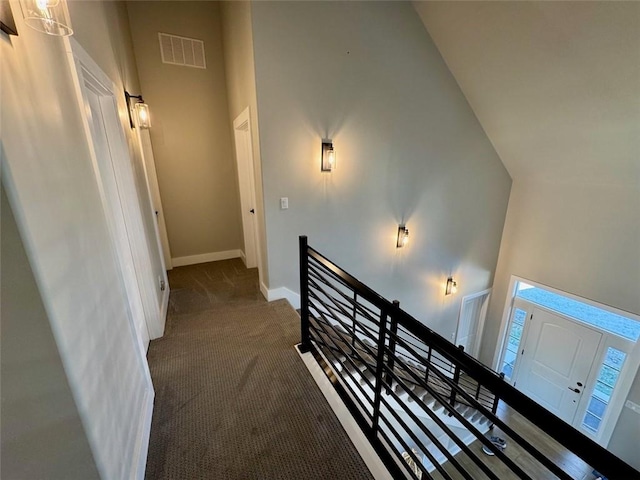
x=187, y=52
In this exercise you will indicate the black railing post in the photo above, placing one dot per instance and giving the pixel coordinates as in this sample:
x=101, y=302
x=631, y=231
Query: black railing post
x=456, y=379
x=391, y=356
x=305, y=340
x=382, y=334
x=496, y=399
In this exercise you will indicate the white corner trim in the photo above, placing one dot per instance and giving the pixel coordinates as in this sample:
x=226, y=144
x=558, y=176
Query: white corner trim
x=282, y=292
x=264, y=290
x=205, y=257
x=144, y=434
x=366, y=451
x=243, y=257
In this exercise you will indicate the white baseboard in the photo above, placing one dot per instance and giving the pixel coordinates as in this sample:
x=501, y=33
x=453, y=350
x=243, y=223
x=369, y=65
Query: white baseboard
x=282, y=292
x=205, y=257
x=366, y=451
x=243, y=257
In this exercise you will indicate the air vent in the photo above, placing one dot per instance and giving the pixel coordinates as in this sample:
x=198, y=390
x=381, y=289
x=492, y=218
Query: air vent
x=188, y=52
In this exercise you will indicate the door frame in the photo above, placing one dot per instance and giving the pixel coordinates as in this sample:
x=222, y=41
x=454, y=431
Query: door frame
x=627, y=374
x=243, y=143
x=481, y=321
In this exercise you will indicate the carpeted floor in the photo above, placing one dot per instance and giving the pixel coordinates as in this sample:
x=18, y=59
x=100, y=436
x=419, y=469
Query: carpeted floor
x=233, y=398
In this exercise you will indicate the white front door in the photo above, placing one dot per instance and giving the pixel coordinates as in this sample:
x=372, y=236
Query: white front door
x=557, y=357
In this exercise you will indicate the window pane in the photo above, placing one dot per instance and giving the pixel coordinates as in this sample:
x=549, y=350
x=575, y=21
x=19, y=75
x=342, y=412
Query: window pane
x=509, y=356
x=518, y=316
x=615, y=358
x=597, y=407
x=592, y=422
x=608, y=376
x=609, y=373
x=507, y=369
x=604, y=390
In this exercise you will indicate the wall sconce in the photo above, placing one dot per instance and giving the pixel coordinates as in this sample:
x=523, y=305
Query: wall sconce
x=403, y=236
x=328, y=156
x=47, y=16
x=452, y=286
x=141, y=110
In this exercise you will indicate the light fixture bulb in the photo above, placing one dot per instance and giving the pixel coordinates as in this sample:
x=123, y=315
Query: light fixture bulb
x=328, y=160
x=48, y=16
x=452, y=286
x=403, y=236
x=142, y=112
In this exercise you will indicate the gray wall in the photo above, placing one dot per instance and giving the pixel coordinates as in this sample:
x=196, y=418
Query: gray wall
x=191, y=132
x=409, y=149
x=237, y=35
x=42, y=435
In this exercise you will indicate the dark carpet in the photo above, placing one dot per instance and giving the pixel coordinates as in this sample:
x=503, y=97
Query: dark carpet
x=233, y=398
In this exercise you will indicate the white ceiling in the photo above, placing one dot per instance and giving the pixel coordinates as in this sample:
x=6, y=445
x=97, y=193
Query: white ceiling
x=555, y=85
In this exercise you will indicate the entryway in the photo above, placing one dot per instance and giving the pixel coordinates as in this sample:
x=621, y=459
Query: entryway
x=575, y=357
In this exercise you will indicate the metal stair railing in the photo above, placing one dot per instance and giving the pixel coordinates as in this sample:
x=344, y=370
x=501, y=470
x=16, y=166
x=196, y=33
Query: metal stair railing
x=395, y=375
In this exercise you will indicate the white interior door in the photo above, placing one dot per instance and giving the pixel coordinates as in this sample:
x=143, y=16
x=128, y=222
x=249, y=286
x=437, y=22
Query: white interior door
x=244, y=158
x=557, y=357
x=473, y=310
x=115, y=215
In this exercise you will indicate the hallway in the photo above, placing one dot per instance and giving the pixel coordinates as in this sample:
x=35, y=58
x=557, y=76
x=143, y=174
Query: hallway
x=233, y=398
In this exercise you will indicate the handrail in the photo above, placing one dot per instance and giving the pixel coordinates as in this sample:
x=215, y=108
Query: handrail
x=392, y=317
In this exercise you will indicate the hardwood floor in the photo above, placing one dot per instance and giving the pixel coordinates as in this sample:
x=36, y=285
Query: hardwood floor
x=566, y=460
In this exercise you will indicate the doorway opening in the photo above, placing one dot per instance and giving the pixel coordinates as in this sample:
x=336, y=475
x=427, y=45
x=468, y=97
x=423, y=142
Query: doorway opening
x=246, y=180
x=575, y=357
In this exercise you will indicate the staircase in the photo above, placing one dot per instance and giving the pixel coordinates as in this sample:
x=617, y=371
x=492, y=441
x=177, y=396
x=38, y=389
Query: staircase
x=424, y=405
x=356, y=358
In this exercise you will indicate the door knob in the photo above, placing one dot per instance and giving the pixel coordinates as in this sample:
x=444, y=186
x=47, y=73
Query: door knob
x=577, y=390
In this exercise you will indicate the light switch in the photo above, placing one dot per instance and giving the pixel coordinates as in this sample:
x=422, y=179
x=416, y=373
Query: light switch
x=284, y=203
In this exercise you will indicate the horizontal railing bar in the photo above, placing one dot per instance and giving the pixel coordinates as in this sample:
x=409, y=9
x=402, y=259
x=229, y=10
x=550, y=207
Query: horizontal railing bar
x=369, y=350
x=443, y=426
x=452, y=411
x=451, y=458
x=363, y=407
x=355, y=367
x=545, y=461
x=384, y=453
x=599, y=458
x=405, y=465
x=366, y=313
x=371, y=334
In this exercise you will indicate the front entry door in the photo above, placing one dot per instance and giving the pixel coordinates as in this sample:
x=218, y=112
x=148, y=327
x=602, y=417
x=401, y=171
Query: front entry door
x=557, y=357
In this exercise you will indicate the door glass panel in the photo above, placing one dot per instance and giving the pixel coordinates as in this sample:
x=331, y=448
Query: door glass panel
x=607, y=379
x=513, y=341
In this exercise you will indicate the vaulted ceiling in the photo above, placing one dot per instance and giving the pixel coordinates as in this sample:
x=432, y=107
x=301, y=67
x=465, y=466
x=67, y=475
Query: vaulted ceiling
x=555, y=85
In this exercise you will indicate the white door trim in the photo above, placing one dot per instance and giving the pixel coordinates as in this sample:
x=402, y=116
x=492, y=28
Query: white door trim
x=246, y=182
x=481, y=320
x=151, y=175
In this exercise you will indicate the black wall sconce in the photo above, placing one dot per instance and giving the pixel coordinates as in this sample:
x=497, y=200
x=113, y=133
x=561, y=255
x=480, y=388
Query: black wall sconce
x=403, y=236
x=328, y=156
x=452, y=286
x=141, y=110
